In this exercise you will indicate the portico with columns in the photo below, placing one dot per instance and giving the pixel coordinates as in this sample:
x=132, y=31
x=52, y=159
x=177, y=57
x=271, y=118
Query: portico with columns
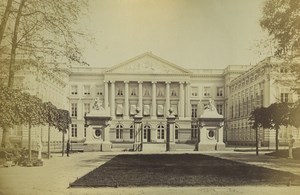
x=155, y=86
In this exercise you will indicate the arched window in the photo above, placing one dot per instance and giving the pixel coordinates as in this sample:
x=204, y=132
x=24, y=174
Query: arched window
x=146, y=129
x=160, y=132
x=119, y=132
x=131, y=131
x=176, y=131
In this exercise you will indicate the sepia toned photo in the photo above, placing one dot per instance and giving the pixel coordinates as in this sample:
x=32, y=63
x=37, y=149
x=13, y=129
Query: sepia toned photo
x=149, y=97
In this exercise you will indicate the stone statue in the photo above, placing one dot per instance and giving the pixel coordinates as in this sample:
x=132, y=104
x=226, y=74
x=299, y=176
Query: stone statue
x=210, y=105
x=97, y=104
x=40, y=147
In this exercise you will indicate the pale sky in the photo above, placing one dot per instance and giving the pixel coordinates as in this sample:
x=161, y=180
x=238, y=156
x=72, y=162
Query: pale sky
x=189, y=33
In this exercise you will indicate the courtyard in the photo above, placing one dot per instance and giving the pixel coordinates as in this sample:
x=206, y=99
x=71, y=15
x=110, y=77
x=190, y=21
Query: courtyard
x=177, y=173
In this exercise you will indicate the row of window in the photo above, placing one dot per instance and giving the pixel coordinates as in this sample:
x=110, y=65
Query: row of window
x=147, y=91
x=219, y=108
x=119, y=131
x=207, y=91
x=160, y=109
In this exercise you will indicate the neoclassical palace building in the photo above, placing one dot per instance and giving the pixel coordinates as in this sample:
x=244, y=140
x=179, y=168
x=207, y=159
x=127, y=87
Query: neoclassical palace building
x=155, y=85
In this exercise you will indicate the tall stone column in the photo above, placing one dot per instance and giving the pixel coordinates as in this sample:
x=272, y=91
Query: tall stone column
x=140, y=102
x=171, y=131
x=181, y=100
x=106, y=95
x=106, y=145
x=126, y=104
x=153, y=113
x=112, y=99
x=167, y=97
x=187, y=103
x=137, y=119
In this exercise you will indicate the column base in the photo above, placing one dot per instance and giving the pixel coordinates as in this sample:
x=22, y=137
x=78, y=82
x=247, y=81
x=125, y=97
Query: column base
x=220, y=146
x=205, y=147
x=137, y=147
x=106, y=147
x=92, y=147
x=171, y=147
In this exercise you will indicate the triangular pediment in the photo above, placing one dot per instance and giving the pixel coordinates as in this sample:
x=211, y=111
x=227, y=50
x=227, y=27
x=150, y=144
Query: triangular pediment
x=147, y=63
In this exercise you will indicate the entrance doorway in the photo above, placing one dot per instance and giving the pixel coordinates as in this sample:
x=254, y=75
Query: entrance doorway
x=147, y=134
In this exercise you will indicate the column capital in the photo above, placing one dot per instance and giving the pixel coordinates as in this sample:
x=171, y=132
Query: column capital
x=188, y=83
x=126, y=82
x=154, y=82
x=168, y=82
x=112, y=82
x=140, y=82
x=181, y=82
x=105, y=82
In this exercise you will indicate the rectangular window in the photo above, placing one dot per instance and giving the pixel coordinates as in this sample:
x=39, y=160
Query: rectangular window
x=194, y=110
x=87, y=90
x=131, y=133
x=194, y=91
x=74, y=109
x=74, y=130
x=284, y=97
x=206, y=92
x=194, y=131
x=99, y=90
x=220, y=92
x=120, y=91
x=84, y=132
x=87, y=108
x=74, y=90
x=220, y=108
x=176, y=133
x=133, y=91
x=119, y=134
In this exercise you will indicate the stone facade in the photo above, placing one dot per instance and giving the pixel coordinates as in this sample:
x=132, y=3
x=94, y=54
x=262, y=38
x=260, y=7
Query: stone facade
x=156, y=85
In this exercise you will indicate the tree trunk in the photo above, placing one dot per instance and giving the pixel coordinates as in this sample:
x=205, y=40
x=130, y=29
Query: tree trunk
x=256, y=140
x=5, y=140
x=63, y=143
x=48, y=141
x=14, y=46
x=29, y=140
x=276, y=139
x=4, y=19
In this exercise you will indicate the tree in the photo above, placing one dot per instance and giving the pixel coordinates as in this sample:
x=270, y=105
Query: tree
x=279, y=116
x=40, y=33
x=50, y=116
x=294, y=115
x=63, y=122
x=31, y=113
x=259, y=118
x=282, y=21
x=9, y=101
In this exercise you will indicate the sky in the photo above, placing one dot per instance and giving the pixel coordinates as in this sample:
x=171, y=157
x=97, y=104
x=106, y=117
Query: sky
x=189, y=33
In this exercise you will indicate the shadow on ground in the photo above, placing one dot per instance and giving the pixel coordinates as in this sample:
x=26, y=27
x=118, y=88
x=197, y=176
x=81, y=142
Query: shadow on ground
x=181, y=170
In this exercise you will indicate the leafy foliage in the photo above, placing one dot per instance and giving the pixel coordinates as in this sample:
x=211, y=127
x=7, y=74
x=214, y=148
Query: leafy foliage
x=281, y=18
x=64, y=119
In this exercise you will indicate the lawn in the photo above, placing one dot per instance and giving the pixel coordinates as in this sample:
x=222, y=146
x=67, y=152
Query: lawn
x=180, y=170
x=285, y=153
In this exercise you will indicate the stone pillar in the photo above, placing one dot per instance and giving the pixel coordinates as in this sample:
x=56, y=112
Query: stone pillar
x=106, y=145
x=138, y=139
x=220, y=143
x=153, y=113
x=106, y=95
x=140, y=102
x=171, y=131
x=187, y=103
x=126, y=100
x=167, y=97
x=112, y=99
x=181, y=100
